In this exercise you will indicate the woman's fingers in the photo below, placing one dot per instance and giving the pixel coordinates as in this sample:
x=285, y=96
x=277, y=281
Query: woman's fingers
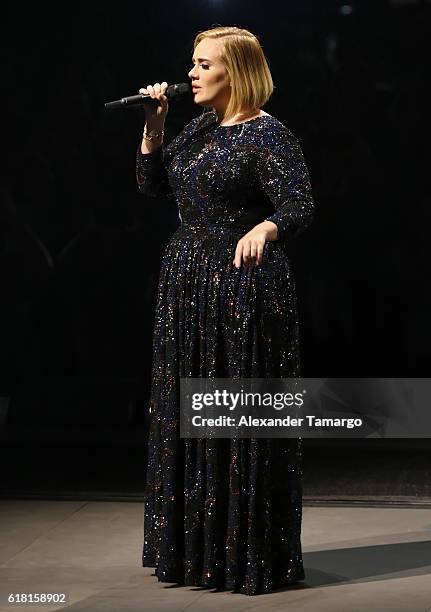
x=246, y=253
x=163, y=96
x=253, y=251
x=249, y=252
x=259, y=254
x=238, y=255
x=158, y=90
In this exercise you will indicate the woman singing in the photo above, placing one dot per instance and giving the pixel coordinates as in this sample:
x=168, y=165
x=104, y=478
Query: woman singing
x=224, y=513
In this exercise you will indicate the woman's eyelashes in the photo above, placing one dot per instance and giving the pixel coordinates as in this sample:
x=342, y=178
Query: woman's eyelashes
x=202, y=65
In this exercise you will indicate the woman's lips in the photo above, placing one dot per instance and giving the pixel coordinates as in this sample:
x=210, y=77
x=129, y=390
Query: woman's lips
x=195, y=89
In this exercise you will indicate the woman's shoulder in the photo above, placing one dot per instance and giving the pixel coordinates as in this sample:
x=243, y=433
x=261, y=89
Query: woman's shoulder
x=269, y=132
x=270, y=124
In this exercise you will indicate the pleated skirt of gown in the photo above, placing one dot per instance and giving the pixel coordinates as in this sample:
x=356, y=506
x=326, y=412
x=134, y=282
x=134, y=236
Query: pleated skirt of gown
x=222, y=512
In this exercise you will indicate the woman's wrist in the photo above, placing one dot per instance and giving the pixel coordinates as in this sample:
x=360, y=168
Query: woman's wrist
x=148, y=145
x=271, y=230
x=155, y=124
x=152, y=137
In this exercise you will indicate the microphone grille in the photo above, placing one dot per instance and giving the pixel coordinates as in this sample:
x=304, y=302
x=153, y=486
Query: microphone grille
x=179, y=89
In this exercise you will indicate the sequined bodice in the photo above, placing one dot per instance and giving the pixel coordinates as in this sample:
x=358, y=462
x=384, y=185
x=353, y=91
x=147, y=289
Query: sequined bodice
x=234, y=176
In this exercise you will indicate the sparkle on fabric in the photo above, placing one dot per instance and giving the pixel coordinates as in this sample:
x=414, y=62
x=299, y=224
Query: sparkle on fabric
x=224, y=512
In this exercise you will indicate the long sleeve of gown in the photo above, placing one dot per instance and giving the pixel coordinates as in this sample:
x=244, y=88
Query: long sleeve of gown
x=151, y=173
x=285, y=179
x=152, y=168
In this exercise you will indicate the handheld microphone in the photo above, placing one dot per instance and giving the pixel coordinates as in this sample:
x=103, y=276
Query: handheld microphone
x=172, y=92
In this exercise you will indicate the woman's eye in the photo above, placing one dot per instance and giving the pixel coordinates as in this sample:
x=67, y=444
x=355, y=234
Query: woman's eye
x=203, y=66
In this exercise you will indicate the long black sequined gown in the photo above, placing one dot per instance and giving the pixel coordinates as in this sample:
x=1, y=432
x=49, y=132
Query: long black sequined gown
x=224, y=512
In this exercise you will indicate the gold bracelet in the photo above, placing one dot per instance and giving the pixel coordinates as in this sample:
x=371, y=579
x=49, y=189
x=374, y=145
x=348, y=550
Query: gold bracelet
x=153, y=134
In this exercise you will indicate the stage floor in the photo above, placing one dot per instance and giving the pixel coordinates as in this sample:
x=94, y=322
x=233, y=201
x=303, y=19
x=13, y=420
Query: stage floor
x=356, y=559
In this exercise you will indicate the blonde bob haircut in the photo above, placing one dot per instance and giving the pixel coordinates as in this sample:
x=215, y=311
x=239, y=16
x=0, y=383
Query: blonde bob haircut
x=242, y=55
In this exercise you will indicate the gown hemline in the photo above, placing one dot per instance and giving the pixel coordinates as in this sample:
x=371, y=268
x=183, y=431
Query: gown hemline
x=290, y=581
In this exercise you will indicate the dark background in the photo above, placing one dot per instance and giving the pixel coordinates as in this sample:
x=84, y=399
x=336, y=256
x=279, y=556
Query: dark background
x=81, y=248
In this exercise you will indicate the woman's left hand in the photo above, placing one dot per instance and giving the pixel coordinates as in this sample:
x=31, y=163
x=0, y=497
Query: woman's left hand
x=250, y=247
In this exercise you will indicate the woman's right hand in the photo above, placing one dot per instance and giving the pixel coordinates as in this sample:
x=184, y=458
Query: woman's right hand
x=156, y=115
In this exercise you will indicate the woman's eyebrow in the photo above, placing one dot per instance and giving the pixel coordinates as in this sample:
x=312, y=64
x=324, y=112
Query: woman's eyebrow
x=202, y=59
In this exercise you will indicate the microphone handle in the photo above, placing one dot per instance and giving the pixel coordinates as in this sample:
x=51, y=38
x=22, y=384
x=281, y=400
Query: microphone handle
x=132, y=101
x=171, y=92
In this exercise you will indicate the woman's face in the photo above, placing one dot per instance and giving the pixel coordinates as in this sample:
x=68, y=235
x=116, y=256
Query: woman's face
x=209, y=76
